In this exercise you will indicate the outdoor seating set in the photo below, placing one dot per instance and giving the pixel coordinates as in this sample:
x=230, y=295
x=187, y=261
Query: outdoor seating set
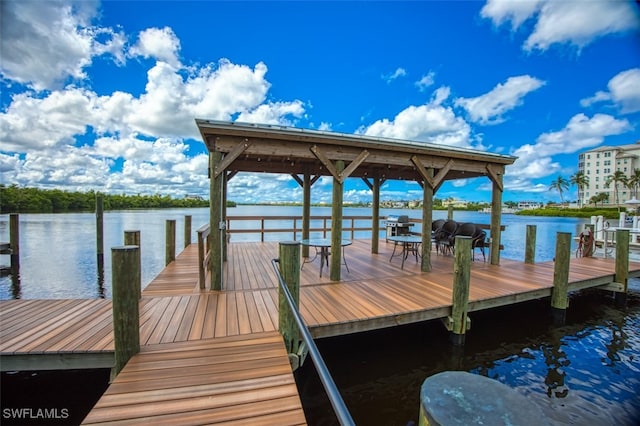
x=444, y=232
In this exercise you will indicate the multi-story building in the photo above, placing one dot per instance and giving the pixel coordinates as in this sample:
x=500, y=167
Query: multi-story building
x=601, y=163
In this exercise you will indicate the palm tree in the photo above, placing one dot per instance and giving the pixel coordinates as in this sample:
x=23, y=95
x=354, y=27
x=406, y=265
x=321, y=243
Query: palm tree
x=600, y=197
x=560, y=184
x=616, y=178
x=633, y=182
x=580, y=180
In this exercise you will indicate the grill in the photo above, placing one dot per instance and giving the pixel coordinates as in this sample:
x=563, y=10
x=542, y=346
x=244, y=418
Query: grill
x=398, y=225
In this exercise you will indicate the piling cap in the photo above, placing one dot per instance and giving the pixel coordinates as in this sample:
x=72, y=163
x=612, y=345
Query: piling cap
x=460, y=398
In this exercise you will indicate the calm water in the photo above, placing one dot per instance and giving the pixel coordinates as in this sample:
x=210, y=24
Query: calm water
x=586, y=372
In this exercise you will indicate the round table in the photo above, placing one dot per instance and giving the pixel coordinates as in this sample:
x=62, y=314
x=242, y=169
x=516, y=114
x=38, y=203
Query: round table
x=410, y=244
x=322, y=246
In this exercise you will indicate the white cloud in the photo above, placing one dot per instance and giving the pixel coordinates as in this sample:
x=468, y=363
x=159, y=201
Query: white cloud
x=32, y=123
x=489, y=108
x=158, y=43
x=503, y=11
x=273, y=113
x=581, y=132
x=65, y=167
x=426, y=81
x=431, y=123
x=440, y=95
x=44, y=43
x=624, y=91
x=72, y=138
x=399, y=72
x=599, y=96
x=268, y=187
x=575, y=22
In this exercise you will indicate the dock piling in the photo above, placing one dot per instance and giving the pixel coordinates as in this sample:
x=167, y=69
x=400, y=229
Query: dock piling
x=458, y=321
x=126, y=278
x=187, y=231
x=170, y=242
x=100, y=230
x=622, y=266
x=289, y=255
x=530, y=245
x=559, y=293
x=132, y=238
x=14, y=243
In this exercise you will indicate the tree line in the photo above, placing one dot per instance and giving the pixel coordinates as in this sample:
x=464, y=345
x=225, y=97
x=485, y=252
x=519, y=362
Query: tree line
x=14, y=199
x=617, y=179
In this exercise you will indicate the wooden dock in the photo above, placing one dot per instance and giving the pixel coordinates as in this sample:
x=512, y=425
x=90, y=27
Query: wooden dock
x=188, y=336
x=230, y=380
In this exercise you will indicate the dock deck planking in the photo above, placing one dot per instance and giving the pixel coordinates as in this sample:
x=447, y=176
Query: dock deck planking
x=204, y=382
x=32, y=326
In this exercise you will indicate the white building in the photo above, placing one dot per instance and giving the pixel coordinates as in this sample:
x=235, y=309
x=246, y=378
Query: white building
x=600, y=163
x=529, y=205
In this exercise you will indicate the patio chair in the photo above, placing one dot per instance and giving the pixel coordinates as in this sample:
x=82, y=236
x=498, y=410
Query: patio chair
x=466, y=229
x=478, y=240
x=444, y=237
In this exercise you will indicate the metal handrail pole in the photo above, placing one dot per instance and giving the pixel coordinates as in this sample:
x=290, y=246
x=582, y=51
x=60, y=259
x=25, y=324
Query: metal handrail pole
x=339, y=407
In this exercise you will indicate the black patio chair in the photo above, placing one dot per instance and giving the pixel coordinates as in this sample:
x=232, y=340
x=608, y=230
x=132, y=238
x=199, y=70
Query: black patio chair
x=444, y=237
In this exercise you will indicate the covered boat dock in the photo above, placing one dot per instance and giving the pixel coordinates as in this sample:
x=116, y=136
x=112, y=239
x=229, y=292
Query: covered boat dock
x=307, y=155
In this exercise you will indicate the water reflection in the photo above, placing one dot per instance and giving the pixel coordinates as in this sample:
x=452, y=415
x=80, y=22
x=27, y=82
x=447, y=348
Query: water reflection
x=101, y=291
x=556, y=360
x=16, y=289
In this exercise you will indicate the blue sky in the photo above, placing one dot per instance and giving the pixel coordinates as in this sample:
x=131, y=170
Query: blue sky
x=103, y=95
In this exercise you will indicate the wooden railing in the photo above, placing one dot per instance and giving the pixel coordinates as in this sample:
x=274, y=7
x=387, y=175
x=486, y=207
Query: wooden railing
x=296, y=225
x=348, y=225
x=204, y=254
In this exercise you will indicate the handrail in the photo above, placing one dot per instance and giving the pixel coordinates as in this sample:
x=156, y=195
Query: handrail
x=295, y=228
x=204, y=253
x=339, y=407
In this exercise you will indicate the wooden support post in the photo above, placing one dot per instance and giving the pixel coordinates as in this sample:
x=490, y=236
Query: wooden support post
x=461, y=280
x=202, y=248
x=187, y=231
x=496, y=217
x=622, y=266
x=306, y=211
x=125, y=267
x=427, y=220
x=14, y=243
x=132, y=238
x=223, y=213
x=530, y=245
x=216, y=222
x=336, y=225
x=450, y=212
x=375, y=215
x=100, y=231
x=170, y=242
x=289, y=255
x=559, y=294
